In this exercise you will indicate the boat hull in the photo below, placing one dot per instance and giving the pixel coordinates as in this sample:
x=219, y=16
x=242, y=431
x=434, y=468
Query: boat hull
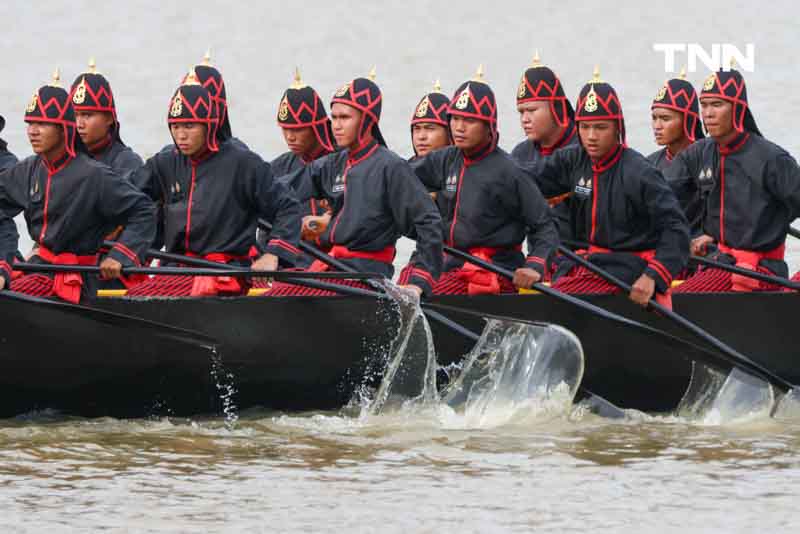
x=298, y=353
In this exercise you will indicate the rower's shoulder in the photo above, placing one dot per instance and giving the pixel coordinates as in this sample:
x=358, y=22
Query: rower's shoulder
x=124, y=157
x=522, y=150
x=637, y=164
x=766, y=147
x=655, y=157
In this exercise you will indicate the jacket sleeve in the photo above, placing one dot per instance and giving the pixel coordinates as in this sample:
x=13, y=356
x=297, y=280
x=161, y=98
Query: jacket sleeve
x=416, y=216
x=13, y=200
x=147, y=179
x=128, y=162
x=542, y=232
x=681, y=175
x=672, y=250
x=783, y=180
x=276, y=202
x=306, y=181
x=552, y=174
x=122, y=203
x=432, y=168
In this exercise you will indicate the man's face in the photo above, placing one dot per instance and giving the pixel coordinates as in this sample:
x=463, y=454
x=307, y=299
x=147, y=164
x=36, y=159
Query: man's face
x=93, y=126
x=717, y=116
x=537, y=121
x=469, y=133
x=189, y=136
x=45, y=137
x=345, y=122
x=667, y=126
x=598, y=137
x=301, y=141
x=428, y=136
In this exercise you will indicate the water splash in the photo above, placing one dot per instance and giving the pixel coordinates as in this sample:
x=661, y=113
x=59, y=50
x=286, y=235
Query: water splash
x=714, y=398
x=224, y=381
x=516, y=370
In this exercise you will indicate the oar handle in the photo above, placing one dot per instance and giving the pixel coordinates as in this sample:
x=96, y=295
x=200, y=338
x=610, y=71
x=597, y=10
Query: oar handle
x=733, y=356
x=777, y=280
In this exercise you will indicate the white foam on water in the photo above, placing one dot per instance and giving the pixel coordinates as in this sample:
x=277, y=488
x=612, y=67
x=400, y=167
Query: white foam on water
x=788, y=407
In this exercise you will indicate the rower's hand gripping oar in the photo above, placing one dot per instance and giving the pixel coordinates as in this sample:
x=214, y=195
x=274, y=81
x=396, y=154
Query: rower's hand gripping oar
x=727, y=353
x=763, y=277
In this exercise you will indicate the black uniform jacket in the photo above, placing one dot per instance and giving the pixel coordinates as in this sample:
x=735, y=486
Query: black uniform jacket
x=624, y=204
x=375, y=199
x=749, y=190
x=489, y=202
x=69, y=205
x=212, y=204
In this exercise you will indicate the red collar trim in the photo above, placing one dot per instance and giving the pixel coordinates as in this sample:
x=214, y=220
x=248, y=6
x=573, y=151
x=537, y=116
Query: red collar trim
x=360, y=154
x=57, y=164
x=566, y=137
x=609, y=160
x=321, y=151
x=101, y=145
x=202, y=157
x=735, y=145
x=477, y=155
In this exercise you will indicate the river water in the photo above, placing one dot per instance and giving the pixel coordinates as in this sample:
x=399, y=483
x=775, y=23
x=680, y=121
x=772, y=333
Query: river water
x=407, y=471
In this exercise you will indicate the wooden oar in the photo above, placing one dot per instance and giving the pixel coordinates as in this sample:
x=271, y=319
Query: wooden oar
x=210, y=269
x=729, y=354
x=772, y=279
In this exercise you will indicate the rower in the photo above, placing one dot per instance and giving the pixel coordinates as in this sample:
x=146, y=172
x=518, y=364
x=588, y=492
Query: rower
x=749, y=189
x=676, y=124
x=622, y=203
x=373, y=193
x=212, y=196
x=487, y=203
x=548, y=120
x=429, y=127
x=307, y=131
x=7, y=159
x=69, y=201
x=98, y=125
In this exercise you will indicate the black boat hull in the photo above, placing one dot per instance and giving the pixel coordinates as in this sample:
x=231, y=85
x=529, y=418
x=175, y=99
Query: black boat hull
x=298, y=353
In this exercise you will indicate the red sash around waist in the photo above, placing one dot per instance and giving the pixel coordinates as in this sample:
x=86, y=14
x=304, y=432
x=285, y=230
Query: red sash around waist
x=67, y=286
x=479, y=280
x=208, y=286
x=749, y=259
x=385, y=255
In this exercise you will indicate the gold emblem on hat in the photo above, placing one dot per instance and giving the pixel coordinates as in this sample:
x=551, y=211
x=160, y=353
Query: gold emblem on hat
x=32, y=104
x=522, y=88
x=177, y=105
x=79, y=97
x=463, y=98
x=661, y=93
x=283, y=110
x=590, y=106
x=422, y=109
x=342, y=90
x=709, y=83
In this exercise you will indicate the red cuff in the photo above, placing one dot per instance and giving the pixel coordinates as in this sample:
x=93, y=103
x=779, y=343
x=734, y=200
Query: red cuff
x=284, y=245
x=658, y=267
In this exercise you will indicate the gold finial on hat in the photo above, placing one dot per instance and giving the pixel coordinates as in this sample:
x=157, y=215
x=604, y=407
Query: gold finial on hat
x=479, y=74
x=207, y=57
x=733, y=62
x=372, y=74
x=536, y=62
x=297, y=83
x=437, y=86
x=92, y=66
x=596, y=75
x=191, y=78
x=56, y=81
x=682, y=75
